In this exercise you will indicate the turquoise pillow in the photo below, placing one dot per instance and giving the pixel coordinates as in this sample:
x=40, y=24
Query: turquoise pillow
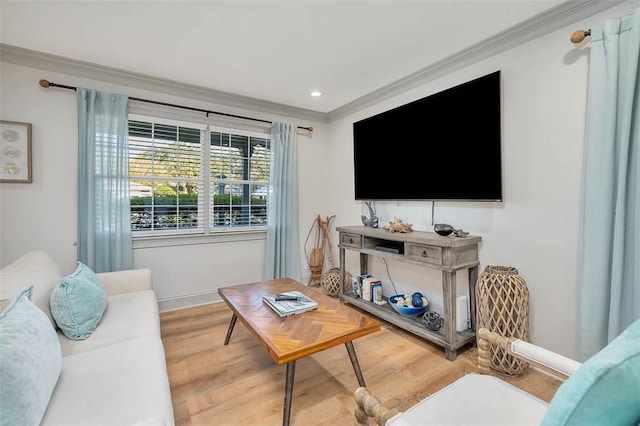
x=78, y=303
x=605, y=390
x=30, y=362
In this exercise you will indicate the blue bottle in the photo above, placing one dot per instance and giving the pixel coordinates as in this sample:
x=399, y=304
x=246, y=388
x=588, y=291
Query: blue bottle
x=416, y=299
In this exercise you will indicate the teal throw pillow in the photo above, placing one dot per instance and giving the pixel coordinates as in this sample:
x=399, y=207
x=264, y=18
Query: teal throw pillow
x=605, y=390
x=78, y=303
x=30, y=362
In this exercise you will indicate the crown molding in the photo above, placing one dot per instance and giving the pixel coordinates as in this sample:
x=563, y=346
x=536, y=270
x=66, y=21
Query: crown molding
x=553, y=19
x=59, y=64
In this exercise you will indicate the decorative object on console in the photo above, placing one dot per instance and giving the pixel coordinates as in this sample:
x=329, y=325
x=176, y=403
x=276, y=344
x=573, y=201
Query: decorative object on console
x=331, y=282
x=368, y=288
x=402, y=304
x=356, y=282
x=432, y=320
x=502, y=301
x=416, y=299
x=373, y=220
x=460, y=233
x=376, y=294
x=443, y=229
x=397, y=225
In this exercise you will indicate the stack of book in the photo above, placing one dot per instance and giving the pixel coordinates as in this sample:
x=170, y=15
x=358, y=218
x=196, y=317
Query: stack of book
x=357, y=284
x=368, y=288
x=372, y=290
x=290, y=303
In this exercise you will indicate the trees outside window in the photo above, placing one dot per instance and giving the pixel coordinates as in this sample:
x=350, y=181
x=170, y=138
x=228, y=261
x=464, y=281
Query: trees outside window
x=193, y=178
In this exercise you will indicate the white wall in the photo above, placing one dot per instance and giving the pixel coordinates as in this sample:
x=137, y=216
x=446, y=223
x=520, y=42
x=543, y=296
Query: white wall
x=42, y=215
x=537, y=227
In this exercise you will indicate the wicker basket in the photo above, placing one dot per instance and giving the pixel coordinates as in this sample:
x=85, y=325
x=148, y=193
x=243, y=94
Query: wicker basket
x=331, y=282
x=316, y=262
x=502, y=305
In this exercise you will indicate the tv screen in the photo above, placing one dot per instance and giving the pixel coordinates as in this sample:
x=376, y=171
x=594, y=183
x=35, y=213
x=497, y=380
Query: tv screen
x=444, y=147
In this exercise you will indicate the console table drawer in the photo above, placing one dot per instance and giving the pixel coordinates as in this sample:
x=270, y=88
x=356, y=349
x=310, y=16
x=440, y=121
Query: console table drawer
x=351, y=240
x=428, y=254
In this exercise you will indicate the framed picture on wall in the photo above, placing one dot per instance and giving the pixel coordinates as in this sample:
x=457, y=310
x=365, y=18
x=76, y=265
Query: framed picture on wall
x=15, y=152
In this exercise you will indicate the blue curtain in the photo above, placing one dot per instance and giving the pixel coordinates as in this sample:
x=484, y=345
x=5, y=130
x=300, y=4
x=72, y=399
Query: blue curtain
x=610, y=279
x=104, y=225
x=282, y=251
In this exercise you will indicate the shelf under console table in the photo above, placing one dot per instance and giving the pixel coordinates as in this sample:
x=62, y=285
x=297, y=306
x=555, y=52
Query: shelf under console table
x=447, y=254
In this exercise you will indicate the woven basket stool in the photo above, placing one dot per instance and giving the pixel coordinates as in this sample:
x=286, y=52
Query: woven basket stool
x=331, y=282
x=502, y=305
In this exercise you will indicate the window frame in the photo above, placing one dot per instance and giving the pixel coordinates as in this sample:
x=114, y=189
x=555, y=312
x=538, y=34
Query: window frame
x=204, y=234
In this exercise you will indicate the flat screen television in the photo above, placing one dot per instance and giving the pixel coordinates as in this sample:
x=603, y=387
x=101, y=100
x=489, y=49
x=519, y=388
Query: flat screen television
x=444, y=147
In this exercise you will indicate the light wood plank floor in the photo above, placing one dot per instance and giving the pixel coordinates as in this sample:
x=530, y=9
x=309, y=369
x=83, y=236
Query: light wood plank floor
x=239, y=384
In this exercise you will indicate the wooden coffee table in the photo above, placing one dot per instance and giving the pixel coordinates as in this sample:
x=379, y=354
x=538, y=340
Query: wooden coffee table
x=291, y=338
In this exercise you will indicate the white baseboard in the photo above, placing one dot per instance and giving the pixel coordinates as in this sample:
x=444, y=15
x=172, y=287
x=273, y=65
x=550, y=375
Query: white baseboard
x=197, y=299
x=188, y=301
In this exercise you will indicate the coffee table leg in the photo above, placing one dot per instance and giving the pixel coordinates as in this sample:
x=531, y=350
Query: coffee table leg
x=354, y=361
x=234, y=318
x=288, y=392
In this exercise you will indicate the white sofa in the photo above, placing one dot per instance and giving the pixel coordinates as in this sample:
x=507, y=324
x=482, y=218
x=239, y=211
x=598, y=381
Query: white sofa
x=117, y=376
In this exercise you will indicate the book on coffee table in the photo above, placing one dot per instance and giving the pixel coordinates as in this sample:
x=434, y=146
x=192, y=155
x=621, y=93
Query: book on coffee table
x=297, y=303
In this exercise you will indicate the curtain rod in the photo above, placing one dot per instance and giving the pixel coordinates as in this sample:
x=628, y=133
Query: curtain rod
x=580, y=35
x=47, y=83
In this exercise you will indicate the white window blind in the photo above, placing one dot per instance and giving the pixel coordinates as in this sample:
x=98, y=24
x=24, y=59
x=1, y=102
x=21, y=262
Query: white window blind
x=182, y=184
x=167, y=179
x=240, y=179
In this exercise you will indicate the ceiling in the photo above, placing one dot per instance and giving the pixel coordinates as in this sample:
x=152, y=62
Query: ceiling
x=275, y=51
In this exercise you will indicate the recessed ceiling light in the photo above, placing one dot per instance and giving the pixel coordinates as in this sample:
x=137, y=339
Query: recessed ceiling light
x=316, y=93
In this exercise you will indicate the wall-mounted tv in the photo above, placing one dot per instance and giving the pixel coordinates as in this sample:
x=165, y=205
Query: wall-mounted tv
x=444, y=147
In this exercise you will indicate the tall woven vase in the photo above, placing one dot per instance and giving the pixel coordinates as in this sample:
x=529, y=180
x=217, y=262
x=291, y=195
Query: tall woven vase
x=502, y=305
x=316, y=262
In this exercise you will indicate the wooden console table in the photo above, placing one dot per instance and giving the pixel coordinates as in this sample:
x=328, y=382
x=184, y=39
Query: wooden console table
x=447, y=254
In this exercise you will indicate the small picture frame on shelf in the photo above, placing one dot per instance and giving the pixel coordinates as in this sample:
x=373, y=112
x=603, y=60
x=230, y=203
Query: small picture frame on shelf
x=15, y=152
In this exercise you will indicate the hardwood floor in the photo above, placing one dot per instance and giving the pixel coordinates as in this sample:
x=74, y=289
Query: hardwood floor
x=239, y=384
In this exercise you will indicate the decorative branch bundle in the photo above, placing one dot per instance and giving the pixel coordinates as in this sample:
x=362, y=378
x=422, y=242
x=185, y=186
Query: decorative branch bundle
x=315, y=259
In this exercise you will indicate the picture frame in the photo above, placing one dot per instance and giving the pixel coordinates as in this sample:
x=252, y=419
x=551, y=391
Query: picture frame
x=15, y=152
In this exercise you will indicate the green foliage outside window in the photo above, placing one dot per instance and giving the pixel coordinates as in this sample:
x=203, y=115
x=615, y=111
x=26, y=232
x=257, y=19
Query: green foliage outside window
x=192, y=199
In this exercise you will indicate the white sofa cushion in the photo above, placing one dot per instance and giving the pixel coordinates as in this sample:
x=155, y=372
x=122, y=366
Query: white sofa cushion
x=128, y=316
x=126, y=281
x=475, y=399
x=35, y=269
x=120, y=384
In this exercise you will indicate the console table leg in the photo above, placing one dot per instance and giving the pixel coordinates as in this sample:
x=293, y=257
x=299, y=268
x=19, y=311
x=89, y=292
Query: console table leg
x=451, y=355
x=288, y=392
x=232, y=324
x=473, y=278
x=449, y=306
x=354, y=361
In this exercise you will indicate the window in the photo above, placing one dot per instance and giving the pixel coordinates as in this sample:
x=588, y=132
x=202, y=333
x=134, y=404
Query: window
x=240, y=178
x=194, y=178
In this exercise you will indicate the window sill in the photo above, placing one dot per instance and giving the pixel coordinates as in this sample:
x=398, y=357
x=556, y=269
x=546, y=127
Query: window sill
x=194, y=239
